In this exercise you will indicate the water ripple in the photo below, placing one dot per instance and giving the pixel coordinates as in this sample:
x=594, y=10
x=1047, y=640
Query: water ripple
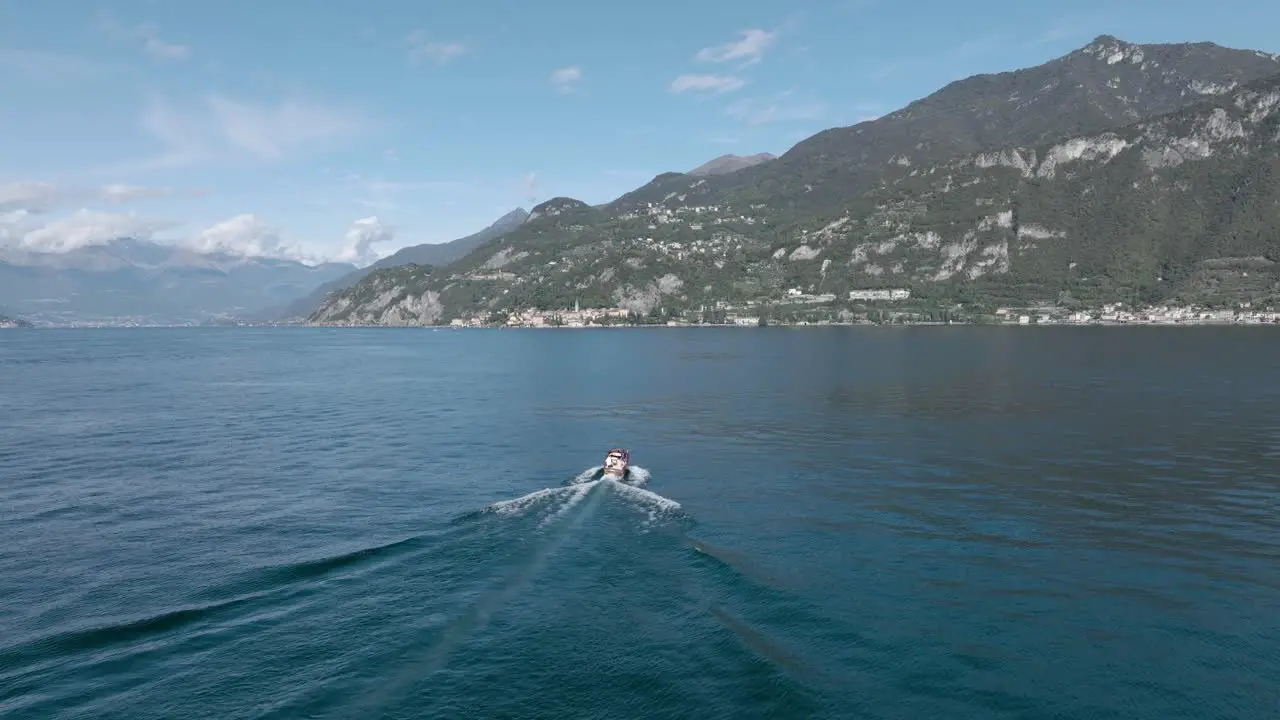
x=884, y=523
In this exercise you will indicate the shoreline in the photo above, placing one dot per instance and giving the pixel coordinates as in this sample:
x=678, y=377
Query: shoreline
x=1205, y=323
x=734, y=326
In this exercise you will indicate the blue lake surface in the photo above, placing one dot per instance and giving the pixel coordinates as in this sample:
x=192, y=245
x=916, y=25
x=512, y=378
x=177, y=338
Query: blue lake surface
x=940, y=522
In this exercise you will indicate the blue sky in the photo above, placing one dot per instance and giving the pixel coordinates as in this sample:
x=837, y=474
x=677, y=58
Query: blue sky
x=344, y=129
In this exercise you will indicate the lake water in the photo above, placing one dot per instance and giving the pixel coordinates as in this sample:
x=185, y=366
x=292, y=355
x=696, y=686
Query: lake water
x=838, y=523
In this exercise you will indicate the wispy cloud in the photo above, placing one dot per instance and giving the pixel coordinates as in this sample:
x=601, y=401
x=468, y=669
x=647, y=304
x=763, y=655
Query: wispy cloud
x=529, y=188
x=119, y=193
x=32, y=196
x=566, y=79
x=222, y=129
x=1080, y=27
x=712, y=84
x=749, y=48
x=424, y=49
x=51, y=67
x=40, y=196
x=782, y=107
x=1063, y=29
x=146, y=35
x=982, y=45
x=268, y=132
x=381, y=194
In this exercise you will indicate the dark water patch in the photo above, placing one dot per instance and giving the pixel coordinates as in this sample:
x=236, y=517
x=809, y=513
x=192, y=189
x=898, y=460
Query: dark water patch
x=125, y=631
x=785, y=659
x=298, y=572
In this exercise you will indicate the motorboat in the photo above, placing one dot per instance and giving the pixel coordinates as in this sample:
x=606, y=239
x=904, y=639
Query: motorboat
x=616, y=464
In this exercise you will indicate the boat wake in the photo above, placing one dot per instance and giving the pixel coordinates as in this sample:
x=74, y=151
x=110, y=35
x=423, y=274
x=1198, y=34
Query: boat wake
x=559, y=512
x=553, y=503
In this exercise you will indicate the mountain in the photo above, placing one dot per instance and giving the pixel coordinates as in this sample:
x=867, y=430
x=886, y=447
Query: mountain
x=1116, y=172
x=425, y=254
x=726, y=164
x=135, y=281
x=1103, y=85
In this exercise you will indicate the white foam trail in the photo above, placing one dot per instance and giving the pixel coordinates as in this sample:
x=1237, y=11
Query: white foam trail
x=566, y=497
x=645, y=500
x=579, y=492
x=639, y=476
x=587, y=475
x=517, y=506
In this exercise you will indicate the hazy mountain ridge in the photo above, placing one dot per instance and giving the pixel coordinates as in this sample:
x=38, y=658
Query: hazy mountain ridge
x=133, y=280
x=424, y=254
x=729, y=163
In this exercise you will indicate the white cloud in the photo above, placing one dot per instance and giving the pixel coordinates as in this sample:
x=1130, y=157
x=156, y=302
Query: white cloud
x=225, y=130
x=423, y=48
x=87, y=227
x=245, y=235
x=357, y=246
x=566, y=79
x=13, y=225
x=749, y=48
x=147, y=35
x=714, y=84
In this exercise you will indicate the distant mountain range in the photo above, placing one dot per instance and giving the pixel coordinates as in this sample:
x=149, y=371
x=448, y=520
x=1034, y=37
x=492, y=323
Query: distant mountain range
x=1119, y=171
x=726, y=164
x=131, y=280
x=425, y=254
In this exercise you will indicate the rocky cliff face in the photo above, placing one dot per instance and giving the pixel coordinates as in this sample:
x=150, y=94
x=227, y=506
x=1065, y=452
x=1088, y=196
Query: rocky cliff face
x=390, y=297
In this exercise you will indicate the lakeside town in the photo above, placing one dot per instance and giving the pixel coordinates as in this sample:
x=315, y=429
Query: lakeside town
x=795, y=309
x=621, y=317
x=801, y=309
